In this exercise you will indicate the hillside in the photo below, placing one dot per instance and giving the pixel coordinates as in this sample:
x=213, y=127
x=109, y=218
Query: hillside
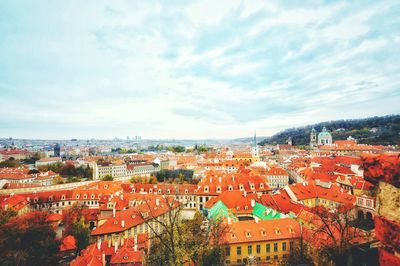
x=373, y=130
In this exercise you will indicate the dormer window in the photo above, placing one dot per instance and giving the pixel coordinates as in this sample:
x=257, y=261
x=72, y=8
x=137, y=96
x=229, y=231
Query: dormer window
x=241, y=187
x=92, y=196
x=291, y=230
x=186, y=191
x=263, y=233
x=85, y=196
x=150, y=190
x=219, y=189
x=206, y=189
x=261, y=185
x=252, y=186
x=248, y=234
x=246, y=207
x=159, y=191
x=233, y=235
x=115, y=222
x=63, y=197
x=230, y=188
x=77, y=196
x=125, y=257
x=168, y=191
x=277, y=231
x=50, y=198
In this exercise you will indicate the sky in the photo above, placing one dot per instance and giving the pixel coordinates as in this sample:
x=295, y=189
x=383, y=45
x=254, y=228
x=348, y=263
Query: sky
x=193, y=69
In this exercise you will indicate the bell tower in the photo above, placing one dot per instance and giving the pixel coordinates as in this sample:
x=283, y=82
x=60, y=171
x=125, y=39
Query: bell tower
x=313, y=138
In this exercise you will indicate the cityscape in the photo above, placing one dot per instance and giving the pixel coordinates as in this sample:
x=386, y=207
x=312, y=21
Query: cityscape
x=199, y=133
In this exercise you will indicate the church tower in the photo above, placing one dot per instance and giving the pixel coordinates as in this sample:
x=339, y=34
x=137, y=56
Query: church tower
x=254, y=150
x=313, y=138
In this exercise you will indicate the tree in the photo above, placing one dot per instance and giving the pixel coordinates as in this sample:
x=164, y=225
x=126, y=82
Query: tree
x=107, y=178
x=9, y=163
x=333, y=235
x=28, y=240
x=75, y=225
x=5, y=215
x=183, y=241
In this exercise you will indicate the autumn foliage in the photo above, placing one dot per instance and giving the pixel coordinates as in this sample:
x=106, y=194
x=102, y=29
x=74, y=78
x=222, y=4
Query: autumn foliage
x=382, y=167
x=28, y=240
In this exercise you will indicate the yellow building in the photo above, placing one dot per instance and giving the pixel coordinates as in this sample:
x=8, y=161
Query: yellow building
x=263, y=241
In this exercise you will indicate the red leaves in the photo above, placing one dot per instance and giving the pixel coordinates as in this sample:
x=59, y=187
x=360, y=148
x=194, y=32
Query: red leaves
x=382, y=167
x=388, y=232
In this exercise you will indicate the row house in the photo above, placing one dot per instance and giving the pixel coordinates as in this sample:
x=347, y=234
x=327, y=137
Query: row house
x=215, y=183
x=277, y=177
x=144, y=218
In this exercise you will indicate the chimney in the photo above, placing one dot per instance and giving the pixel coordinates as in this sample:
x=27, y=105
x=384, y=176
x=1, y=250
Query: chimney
x=122, y=196
x=157, y=202
x=103, y=259
x=220, y=179
x=114, y=212
x=135, y=247
x=253, y=203
x=245, y=194
x=256, y=219
x=116, y=247
x=233, y=178
x=122, y=223
x=99, y=243
x=229, y=220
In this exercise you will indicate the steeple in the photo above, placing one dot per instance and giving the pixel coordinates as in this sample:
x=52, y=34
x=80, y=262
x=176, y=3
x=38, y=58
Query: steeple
x=254, y=150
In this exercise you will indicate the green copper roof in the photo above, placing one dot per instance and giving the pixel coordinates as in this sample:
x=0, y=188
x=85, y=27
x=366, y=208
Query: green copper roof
x=265, y=213
x=220, y=210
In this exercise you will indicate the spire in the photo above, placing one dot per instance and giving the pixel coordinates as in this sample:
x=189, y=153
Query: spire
x=255, y=140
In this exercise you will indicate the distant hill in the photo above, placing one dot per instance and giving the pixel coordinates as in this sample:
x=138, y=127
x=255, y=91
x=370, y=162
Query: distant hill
x=383, y=130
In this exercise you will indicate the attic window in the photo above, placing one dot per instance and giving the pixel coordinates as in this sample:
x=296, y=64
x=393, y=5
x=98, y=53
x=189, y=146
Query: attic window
x=186, y=191
x=263, y=233
x=159, y=191
x=85, y=196
x=150, y=190
x=50, y=198
x=206, y=189
x=125, y=257
x=261, y=185
x=115, y=222
x=133, y=189
x=77, y=196
x=241, y=187
x=63, y=197
x=233, y=235
x=218, y=189
x=248, y=234
x=291, y=230
x=92, y=196
x=230, y=188
x=246, y=207
x=277, y=231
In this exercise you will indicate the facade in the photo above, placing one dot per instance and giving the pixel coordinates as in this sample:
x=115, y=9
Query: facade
x=313, y=138
x=260, y=241
x=47, y=161
x=277, y=177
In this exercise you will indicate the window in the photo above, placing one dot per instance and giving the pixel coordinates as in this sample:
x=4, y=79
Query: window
x=239, y=251
x=258, y=249
x=268, y=248
x=239, y=260
x=284, y=246
x=291, y=245
x=228, y=251
x=249, y=249
x=267, y=258
x=275, y=247
x=284, y=256
x=275, y=257
x=228, y=262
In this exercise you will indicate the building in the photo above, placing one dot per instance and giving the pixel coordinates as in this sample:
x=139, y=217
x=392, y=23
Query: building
x=313, y=138
x=261, y=241
x=57, y=150
x=324, y=137
x=47, y=161
x=277, y=177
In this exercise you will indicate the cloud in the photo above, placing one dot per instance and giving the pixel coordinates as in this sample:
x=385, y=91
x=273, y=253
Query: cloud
x=193, y=70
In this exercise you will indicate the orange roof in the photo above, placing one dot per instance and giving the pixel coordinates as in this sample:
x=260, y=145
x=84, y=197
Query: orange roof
x=277, y=171
x=68, y=243
x=263, y=230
